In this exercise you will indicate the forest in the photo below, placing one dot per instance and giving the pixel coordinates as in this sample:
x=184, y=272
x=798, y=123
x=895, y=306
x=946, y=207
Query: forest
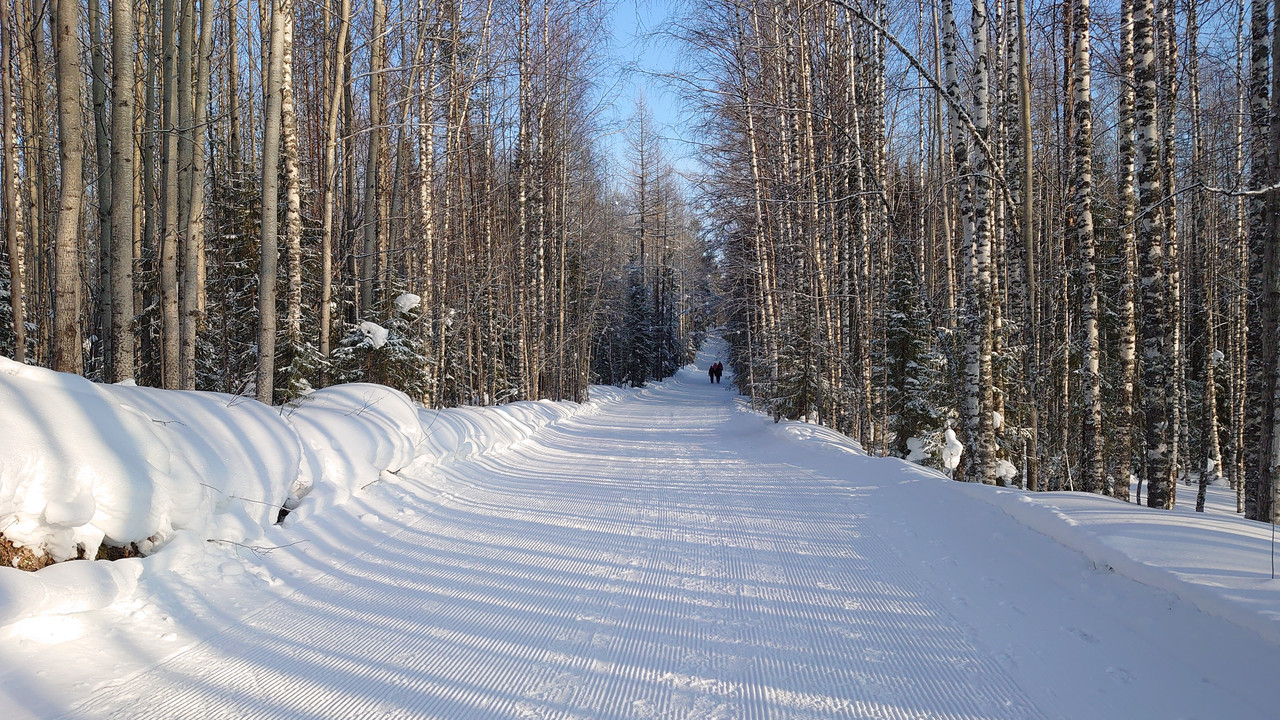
x=1049, y=228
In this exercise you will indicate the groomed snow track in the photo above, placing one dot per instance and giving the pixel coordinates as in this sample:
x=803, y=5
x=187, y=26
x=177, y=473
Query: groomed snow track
x=667, y=556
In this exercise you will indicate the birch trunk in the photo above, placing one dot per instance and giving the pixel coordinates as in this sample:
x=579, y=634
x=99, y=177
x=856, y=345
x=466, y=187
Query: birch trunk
x=329, y=219
x=67, y=285
x=1121, y=464
x=1156, y=332
x=123, y=47
x=369, y=256
x=1081, y=215
x=13, y=229
x=1260, y=219
x=170, y=330
x=293, y=191
x=1267, y=299
x=193, y=265
x=265, y=377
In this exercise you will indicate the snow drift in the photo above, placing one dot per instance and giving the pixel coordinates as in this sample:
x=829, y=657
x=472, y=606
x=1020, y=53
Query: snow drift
x=83, y=465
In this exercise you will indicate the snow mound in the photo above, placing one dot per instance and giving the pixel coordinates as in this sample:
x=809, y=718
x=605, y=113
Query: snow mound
x=66, y=588
x=82, y=464
x=351, y=434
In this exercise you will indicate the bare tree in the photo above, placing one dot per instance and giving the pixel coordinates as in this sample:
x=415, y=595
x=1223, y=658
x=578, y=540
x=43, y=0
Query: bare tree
x=68, y=284
x=274, y=45
x=123, y=47
x=13, y=230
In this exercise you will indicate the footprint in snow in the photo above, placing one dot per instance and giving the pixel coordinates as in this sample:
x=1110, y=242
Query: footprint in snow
x=1120, y=675
x=1082, y=634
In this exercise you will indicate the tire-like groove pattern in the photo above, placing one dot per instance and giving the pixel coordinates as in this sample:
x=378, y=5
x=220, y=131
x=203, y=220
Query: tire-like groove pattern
x=623, y=564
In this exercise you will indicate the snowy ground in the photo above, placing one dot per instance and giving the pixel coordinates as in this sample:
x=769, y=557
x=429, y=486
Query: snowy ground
x=668, y=554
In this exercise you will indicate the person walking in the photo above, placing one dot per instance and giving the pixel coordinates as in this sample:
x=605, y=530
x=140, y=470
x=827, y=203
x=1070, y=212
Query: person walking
x=718, y=369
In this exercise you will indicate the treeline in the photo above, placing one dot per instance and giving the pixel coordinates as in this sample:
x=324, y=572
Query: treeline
x=264, y=197
x=1051, y=228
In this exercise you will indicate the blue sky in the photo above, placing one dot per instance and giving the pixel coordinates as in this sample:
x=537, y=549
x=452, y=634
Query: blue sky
x=636, y=24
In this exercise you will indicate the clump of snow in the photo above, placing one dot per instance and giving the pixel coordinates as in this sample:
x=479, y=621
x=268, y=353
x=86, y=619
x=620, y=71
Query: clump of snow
x=916, y=451
x=408, y=301
x=951, y=450
x=997, y=420
x=375, y=336
x=1005, y=470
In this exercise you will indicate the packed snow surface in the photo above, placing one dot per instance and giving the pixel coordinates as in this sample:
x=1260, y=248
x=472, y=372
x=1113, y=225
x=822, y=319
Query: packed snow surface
x=656, y=553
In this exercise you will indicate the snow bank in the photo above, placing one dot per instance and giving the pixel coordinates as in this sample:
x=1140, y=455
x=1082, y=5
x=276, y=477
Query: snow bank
x=1220, y=563
x=82, y=464
x=65, y=588
x=351, y=434
x=459, y=434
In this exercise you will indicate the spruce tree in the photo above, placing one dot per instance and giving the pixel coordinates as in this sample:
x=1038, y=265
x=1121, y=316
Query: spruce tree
x=390, y=352
x=914, y=366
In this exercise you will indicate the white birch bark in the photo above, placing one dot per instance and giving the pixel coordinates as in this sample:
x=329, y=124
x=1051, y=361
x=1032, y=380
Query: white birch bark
x=274, y=43
x=1091, y=467
x=1156, y=331
x=293, y=190
x=330, y=201
x=1122, y=466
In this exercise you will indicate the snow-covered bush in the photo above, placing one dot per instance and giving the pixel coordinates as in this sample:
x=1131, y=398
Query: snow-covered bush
x=951, y=450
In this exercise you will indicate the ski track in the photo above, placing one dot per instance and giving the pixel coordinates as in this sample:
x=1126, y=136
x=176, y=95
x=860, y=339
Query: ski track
x=622, y=564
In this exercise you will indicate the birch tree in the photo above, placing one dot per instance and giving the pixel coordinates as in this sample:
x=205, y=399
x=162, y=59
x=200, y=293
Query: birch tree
x=1157, y=374
x=123, y=337
x=1082, y=216
x=68, y=283
x=1121, y=465
x=274, y=45
x=13, y=229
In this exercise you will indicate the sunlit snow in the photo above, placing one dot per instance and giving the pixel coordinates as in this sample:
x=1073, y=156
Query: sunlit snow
x=661, y=552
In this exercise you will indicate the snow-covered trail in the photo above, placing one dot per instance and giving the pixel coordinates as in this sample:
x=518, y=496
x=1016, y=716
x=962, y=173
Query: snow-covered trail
x=673, y=556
